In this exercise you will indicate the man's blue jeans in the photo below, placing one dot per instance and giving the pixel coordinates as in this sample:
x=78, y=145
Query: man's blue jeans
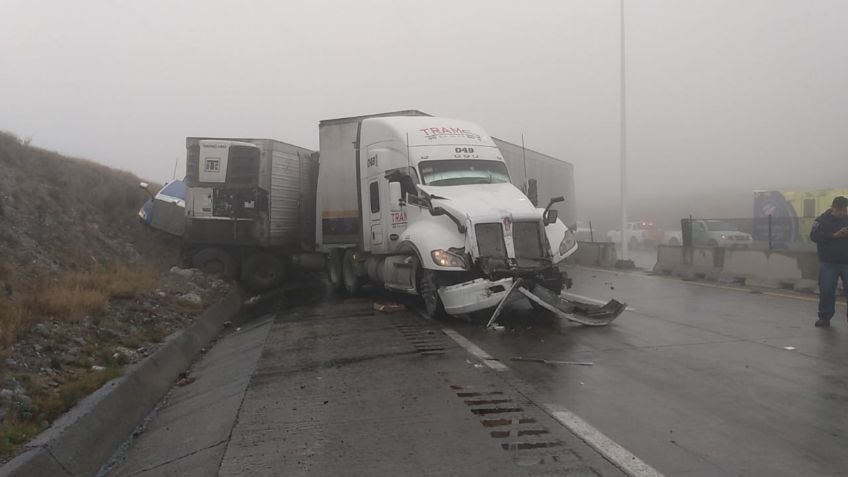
x=829, y=274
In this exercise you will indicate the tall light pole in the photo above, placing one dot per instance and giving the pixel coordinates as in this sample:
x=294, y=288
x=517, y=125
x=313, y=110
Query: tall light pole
x=624, y=252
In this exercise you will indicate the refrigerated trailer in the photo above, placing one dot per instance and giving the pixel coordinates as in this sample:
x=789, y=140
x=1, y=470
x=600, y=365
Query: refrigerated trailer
x=249, y=207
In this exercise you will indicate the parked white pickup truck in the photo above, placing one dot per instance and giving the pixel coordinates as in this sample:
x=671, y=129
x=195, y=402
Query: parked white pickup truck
x=717, y=233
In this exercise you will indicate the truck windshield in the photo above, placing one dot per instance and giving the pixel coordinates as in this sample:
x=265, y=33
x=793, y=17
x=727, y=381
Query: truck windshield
x=463, y=172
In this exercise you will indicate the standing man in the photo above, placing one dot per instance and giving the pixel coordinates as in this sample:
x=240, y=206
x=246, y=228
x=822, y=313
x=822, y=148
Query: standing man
x=830, y=233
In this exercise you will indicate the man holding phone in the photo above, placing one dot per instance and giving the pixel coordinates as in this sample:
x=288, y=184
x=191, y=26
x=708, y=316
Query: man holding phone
x=830, y=233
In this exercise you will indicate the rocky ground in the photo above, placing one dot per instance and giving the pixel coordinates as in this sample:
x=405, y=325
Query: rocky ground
x=58, y=362
x=85, y=289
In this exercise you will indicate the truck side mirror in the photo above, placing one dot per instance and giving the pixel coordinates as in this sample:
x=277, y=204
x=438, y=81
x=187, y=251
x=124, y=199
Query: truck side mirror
x=395, y=196
x=550, y=215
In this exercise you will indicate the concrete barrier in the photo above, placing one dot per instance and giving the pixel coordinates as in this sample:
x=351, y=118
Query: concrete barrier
x=82, y=440
x=594, y=254
x=689, y=262
x=771, y=268
x=796, y=270
x=669, y=259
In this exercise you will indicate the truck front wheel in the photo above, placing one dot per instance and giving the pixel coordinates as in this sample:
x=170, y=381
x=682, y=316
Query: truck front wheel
x=427, y=285
x=262, y=271
x=215, y=261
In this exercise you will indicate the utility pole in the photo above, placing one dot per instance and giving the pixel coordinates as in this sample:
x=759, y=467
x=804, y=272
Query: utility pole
x=624, y=262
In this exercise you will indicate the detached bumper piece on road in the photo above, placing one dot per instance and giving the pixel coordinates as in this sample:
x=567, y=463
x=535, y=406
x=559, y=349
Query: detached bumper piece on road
x=572, y=310
x=340, y=390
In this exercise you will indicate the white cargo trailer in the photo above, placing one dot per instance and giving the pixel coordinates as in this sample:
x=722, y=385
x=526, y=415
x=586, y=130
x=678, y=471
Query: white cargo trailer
x=542, y=177
x=249, y=206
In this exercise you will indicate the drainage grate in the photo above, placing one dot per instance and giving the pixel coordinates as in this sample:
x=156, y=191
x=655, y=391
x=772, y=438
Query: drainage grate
x=427, y=342
x=509, y=425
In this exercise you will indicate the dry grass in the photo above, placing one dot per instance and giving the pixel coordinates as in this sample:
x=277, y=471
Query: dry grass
x=81, y=294
x=72, y=298
x=12, y=317
x=48, y=406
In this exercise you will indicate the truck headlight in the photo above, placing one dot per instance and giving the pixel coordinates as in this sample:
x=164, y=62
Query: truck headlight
x=568, y=243
x=448, y=258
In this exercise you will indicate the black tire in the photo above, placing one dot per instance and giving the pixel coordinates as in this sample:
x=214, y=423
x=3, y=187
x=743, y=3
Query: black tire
x=673, y=242
x=427, y=285
x=351, y=274
x=712, y=243
x=262, y=271
x=215, y=261
x=334, y=269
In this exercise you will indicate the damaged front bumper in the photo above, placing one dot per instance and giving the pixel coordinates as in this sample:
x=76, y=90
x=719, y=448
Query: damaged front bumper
x=474, y=295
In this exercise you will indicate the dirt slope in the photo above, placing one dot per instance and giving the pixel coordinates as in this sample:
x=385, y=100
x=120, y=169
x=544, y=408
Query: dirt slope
x=84, y=287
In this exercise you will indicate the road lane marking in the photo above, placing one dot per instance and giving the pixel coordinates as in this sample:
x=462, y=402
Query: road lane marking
x=611, y=450
x=472, y=348
x=621, y=457
x=590, y=299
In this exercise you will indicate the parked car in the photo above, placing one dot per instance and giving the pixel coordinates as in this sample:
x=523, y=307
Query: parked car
x=717, y=233
x=639, y=234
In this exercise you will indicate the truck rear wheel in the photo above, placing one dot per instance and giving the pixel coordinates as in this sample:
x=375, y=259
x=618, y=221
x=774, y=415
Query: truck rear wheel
x=262, y=271
x=427, y=285
x=351, y=274
x=334, y=269
x=215, y=261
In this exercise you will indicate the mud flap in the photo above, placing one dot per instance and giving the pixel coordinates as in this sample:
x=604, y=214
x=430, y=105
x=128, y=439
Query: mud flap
x=583, y=313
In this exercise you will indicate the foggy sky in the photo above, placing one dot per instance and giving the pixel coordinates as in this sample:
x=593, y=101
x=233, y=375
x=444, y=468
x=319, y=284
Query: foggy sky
x=722, y=94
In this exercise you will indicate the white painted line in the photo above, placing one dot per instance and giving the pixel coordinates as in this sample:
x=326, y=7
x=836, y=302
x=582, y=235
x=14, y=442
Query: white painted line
x=611, y=450
x=472, y=348
x=590, y=299
x=616, y=454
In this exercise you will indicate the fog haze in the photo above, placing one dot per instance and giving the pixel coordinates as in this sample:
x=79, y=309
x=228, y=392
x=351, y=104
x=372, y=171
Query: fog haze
x=723, y=96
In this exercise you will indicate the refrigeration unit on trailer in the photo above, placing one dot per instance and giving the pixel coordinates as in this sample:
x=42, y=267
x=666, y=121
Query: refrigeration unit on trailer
x=249, y=206
x=425, y=205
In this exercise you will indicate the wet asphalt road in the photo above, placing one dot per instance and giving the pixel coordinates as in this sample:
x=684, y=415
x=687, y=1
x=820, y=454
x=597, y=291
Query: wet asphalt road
x=695, y=379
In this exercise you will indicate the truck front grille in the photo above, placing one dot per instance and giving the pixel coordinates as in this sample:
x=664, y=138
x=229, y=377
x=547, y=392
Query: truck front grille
x=527, y=239
x=490, y=240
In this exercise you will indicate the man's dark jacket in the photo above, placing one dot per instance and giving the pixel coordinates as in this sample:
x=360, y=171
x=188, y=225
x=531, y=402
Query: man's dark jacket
x=831, y=250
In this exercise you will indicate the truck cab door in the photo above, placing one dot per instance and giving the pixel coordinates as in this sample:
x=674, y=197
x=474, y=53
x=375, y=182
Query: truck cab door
x=374, y=187
x=375, y=191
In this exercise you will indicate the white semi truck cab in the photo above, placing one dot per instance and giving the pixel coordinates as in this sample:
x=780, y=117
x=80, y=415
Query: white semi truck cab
x=425, y=205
